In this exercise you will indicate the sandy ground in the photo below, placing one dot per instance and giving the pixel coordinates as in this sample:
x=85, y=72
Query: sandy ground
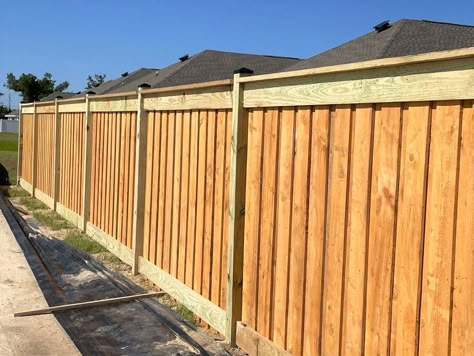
x=19, y=291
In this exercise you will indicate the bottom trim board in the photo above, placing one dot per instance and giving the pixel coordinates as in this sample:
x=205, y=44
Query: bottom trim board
x=121, y=251
x=45, y=198
x=70, y=215
x=26, y=186
x=255, y=344
x=205, y=309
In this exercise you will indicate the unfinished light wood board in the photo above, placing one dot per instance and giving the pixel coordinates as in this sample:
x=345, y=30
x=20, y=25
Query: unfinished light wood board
x=45, y=198
x=207, y=98
x=120, y=104
x=417, y=82
x=70, y=215
x=27, y=186
x=209, y=312
x=110, y=243
x=74, y=107
x=27, y=109
x=254, y=344
x=236, y=230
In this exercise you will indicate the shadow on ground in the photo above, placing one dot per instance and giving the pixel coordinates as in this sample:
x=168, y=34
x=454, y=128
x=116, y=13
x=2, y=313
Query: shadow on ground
x=67, y=275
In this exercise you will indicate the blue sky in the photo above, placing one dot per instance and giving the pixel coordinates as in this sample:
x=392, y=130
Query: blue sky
x=72, y=39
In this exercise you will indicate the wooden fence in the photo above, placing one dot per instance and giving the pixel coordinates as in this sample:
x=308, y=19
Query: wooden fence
x=324, y=211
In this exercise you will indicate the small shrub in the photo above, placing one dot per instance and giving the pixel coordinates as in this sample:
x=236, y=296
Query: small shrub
x=83, y=242
x=32, y=203
x=52, y=220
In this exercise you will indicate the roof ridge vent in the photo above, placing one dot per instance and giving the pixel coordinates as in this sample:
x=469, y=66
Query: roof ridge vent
x=184, y=58
x=382, y=26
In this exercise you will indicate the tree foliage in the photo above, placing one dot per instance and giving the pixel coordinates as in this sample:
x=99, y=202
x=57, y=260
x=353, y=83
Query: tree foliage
x=3, y=111
x=95, y=81
x=31, y=88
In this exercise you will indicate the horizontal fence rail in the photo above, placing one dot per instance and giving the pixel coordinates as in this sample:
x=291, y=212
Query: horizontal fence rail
x=323, y=211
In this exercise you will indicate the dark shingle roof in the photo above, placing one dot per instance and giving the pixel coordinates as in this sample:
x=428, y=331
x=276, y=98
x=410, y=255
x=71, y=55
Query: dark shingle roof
x=205, y=66
x=402, y=38
x=59, y=95
x=216, y=65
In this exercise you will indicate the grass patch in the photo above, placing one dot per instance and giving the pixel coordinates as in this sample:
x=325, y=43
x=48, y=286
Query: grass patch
x=185, y=313
x=14, y=192
x=52, y=220
x=111, y=258
x=83, y=242
x=8, y=141
x=32, y=203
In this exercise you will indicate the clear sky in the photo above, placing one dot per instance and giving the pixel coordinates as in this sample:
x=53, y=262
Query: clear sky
x=75, y=38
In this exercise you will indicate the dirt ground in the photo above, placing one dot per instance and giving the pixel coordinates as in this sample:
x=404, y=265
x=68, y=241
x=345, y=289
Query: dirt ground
x=19, y=291
x=197, y=332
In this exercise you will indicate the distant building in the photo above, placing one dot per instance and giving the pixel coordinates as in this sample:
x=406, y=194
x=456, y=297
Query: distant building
x=206, y=66
x=402, y=38
x=12, y=115
x=58, y=95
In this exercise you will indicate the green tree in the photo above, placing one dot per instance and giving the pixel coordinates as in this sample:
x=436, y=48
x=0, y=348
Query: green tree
x=32, y=88
x=95, y=81
x=3, y=111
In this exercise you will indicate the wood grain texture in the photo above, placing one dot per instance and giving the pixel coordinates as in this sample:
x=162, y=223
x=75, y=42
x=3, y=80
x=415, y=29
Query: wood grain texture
x=382, y=227
x=439, y=228
x=462, y=339
x=316, y=229
x=357, y=231
x=409, y=239
x=285, y=174
x=415, y=82
x=338, y=177
x=252, y=208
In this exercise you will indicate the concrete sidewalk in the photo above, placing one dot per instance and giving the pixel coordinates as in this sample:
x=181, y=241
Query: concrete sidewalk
x=19, y=291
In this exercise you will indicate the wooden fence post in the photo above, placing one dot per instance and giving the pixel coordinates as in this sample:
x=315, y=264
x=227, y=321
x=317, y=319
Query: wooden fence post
x=20, y=147
x=238, y=167
x=139, y=188
x=86, y=181
x=35, y=150
x=57, y=142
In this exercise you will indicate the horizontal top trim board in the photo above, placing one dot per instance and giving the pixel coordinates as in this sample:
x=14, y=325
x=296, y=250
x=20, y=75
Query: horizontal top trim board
x=27, y=109
x=445, y=80
x=44, y=103
x=72, y=107
x=46, y=109
x=219, y=97
x=215, y=83
x=114, y=104
x=212, y=84
x=124, y=95
x=376, y=63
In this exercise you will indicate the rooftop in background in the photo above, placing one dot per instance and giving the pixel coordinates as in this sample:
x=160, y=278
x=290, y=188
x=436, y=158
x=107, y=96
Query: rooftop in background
x=14, y=114
x=58, y=95
x=205, y=66
x=402, y=38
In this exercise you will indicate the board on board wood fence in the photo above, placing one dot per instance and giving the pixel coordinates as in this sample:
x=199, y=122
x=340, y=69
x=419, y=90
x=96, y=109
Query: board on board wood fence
x=324, y=211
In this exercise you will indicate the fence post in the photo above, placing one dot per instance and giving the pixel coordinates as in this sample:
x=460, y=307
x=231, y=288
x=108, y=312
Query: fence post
x=20, y=147
x=35, y=150
x=86, y=181
x=139, y=187
x=238, y=167
x=57, y=142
